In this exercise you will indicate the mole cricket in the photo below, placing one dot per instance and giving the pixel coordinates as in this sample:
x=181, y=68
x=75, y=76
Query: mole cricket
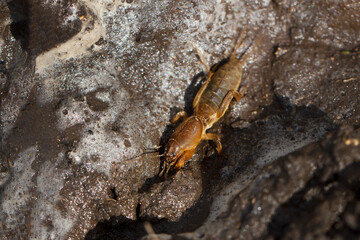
x=210, y=104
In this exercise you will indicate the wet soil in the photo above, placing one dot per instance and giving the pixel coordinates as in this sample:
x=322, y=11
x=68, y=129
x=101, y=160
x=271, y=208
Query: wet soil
x=72, y=130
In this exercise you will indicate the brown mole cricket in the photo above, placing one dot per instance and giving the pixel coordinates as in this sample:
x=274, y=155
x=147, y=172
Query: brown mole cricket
x=210, y=104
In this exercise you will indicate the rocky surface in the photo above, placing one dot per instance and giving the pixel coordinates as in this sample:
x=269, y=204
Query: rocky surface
x=88, y=85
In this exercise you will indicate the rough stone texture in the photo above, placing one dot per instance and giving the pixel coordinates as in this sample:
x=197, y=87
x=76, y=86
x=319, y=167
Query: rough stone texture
x=81, y=100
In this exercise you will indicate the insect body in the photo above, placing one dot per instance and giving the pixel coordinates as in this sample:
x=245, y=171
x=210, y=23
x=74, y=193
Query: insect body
x=210, y=104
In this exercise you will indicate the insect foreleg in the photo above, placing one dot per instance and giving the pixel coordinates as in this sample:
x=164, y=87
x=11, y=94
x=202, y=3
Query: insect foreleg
x=181, y=114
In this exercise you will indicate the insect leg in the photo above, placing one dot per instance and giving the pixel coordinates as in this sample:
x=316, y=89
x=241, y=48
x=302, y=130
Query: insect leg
x=166, y=168
x=238, y=95
x=181, y=114
x=216, y=139
x=202, y=89
x=226, y=102
x=186, y=156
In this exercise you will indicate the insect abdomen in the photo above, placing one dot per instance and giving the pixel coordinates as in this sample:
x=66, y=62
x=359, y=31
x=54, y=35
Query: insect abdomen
x=226, y=78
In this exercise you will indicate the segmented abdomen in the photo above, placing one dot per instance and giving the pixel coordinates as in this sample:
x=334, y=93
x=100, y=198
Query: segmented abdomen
x=226, y=78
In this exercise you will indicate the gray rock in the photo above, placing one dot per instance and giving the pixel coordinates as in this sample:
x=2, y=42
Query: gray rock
x=81, y=102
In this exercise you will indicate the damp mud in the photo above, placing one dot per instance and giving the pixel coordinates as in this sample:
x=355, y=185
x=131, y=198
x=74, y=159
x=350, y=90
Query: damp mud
x=81, y=102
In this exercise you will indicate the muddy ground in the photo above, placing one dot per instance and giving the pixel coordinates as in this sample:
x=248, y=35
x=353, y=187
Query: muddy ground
x=88, y=85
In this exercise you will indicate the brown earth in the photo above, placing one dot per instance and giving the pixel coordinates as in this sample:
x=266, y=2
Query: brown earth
x=290, y=163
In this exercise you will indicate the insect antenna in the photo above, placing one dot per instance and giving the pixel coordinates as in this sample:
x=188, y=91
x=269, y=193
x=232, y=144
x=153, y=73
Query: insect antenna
x=141, y=154
x=154, y=149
